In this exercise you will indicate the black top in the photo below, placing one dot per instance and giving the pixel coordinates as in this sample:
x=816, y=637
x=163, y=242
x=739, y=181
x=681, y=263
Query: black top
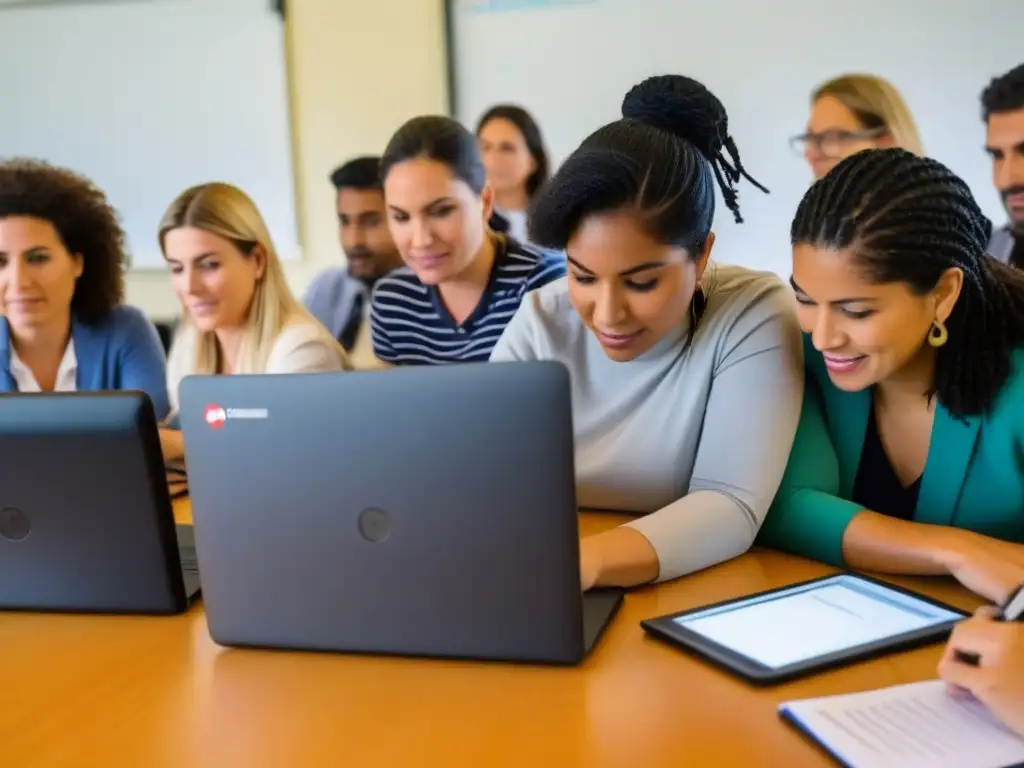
x=877, y=486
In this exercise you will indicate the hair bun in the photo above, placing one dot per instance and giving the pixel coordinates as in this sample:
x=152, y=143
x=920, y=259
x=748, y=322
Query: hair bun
x=682, y=106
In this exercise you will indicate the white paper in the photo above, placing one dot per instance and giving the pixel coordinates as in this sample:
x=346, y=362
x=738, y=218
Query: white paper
x=907, y=726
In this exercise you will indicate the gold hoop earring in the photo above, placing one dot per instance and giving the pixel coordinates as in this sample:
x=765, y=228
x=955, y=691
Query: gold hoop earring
x=938, y=335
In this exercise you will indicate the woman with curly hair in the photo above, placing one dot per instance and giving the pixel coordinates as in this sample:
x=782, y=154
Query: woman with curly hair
x=62, y=259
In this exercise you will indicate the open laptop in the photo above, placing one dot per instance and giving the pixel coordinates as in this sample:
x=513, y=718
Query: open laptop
x=85, y=516
x=423, y=511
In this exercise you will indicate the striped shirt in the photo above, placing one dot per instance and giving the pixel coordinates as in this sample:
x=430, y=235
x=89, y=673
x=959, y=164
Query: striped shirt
x=411, y=325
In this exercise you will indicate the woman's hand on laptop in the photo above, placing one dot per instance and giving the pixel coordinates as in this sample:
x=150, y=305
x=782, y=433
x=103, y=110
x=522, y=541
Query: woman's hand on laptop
x=589, y=567
x=620, y=557
x=171, y=444
x=998, y=679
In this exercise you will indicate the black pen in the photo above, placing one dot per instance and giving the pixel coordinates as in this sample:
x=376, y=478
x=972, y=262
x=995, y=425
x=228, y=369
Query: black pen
x=1012, y=610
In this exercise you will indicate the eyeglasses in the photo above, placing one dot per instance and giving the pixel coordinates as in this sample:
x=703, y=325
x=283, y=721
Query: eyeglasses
x=832, y=143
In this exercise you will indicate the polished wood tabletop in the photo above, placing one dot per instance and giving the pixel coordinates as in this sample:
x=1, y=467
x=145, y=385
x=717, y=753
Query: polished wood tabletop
x=157, y=691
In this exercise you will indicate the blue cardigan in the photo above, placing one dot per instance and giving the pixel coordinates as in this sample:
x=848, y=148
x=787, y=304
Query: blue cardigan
x=122, y=351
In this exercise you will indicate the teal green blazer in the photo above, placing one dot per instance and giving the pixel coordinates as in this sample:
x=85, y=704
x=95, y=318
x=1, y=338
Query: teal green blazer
x=973, y=478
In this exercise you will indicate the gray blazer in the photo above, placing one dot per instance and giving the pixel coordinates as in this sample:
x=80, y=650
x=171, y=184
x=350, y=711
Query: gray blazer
x=331, y=297
x=1001, y=245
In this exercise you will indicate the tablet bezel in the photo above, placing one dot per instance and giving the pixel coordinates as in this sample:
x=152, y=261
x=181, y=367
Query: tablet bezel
x=664, y=628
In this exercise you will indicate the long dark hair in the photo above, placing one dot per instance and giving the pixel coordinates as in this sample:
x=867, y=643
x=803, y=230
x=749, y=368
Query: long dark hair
x=440, y=139
x=527, y=126
x=660, y=160
x=909, y=219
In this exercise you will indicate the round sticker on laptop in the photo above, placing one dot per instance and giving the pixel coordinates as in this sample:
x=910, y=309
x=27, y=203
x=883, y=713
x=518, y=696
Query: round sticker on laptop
x=374, y=525
x=215, y=416
x=14, y=524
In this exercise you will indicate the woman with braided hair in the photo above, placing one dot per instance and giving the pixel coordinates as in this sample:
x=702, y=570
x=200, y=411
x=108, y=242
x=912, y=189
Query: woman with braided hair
x=686, y=378
x=909, y=457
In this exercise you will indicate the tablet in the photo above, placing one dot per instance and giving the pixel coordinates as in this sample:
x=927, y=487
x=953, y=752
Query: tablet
x=794, y=631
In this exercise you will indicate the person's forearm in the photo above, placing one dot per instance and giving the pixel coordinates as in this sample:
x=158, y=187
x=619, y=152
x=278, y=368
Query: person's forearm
x=701, y=529
x=622, y=557
x=874, y=542
x=171, y=444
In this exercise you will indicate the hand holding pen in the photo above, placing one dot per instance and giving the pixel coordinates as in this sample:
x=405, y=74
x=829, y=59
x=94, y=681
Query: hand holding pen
x=985, y=658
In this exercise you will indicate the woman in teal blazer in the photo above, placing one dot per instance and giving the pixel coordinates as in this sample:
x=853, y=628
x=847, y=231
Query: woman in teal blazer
x=909, y=457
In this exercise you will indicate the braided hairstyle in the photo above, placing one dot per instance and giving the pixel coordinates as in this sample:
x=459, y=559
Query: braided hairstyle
x=909, y=219
x=660, y=160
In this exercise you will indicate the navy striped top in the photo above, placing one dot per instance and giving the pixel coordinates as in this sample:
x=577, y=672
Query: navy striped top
x=411, y=325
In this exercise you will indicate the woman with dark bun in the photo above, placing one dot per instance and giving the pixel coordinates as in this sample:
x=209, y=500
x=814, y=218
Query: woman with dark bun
x=909, y=457
x=687, y=377
x=64, y=327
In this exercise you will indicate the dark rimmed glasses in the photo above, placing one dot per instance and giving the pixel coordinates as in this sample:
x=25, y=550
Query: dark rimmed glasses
x=832, y=143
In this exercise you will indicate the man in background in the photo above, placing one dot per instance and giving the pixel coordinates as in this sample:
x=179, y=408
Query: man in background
x=1002, y=105
x=340, y=297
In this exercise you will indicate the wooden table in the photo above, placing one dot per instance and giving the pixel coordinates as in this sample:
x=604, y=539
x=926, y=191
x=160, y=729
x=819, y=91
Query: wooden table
x=154, y=692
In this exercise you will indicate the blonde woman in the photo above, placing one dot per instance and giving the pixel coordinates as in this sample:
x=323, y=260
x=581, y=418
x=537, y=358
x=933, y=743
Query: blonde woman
x=851, y=113
x=238, y=314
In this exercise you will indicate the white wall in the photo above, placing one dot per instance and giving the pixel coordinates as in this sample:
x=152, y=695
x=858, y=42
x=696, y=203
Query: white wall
x=147, y=99
x=357, y=70
x=762, y=59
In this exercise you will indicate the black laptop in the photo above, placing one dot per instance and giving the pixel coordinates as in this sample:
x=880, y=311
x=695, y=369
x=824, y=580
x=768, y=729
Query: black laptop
x=425, y=511
x=85, y=515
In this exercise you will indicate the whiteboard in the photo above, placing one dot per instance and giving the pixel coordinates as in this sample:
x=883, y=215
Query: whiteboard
x=570, y=62
x=150, y=97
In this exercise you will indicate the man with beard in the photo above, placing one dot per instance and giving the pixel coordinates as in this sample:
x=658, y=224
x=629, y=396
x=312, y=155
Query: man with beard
x=340, y=297
x=1002, y=105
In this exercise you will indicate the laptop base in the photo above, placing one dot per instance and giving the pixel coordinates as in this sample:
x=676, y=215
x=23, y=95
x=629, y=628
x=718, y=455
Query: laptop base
x=599, y=608
x=189, y=561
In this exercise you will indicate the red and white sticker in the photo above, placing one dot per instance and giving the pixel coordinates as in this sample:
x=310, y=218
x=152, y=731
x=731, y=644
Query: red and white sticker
x=215, y=416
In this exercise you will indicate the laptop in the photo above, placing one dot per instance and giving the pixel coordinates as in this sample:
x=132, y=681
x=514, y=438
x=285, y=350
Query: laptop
x=86, y=523
x=425, y=511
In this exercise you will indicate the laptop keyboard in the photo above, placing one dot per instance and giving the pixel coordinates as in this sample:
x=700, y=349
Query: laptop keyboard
x=189, y=562
x=187, y=548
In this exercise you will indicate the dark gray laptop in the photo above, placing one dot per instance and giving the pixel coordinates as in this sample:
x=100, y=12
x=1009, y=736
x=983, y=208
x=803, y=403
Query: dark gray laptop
x=418, y=511
x=85, y=517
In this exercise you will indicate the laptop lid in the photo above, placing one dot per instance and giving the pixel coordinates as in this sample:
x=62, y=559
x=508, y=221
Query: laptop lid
x=423, y=511
x=85, y=518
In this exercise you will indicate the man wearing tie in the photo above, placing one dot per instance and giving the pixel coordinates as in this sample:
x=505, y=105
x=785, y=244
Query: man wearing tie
x=340, y=297
x=1002, y=105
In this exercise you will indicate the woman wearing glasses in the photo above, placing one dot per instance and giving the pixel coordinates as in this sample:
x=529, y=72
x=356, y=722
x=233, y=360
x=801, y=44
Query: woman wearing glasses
x=851, y=113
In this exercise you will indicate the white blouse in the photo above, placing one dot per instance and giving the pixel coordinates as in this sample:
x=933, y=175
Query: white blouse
x=67, y=372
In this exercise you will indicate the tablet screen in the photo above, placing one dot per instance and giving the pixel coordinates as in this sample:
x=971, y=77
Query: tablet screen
x=812, y=620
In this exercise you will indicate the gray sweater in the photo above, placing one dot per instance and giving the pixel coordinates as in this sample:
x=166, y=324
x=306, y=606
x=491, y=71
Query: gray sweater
x=693, y=436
